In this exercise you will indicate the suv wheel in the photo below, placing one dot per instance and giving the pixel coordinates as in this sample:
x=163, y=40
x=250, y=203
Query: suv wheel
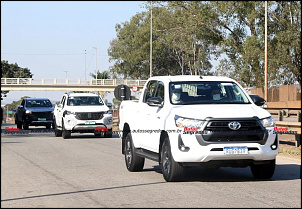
x=172, y=171
x=19, y=125
x=133, y=162
x=25, y=125
x=264, y=171
x=65, y=133
x=57, y=132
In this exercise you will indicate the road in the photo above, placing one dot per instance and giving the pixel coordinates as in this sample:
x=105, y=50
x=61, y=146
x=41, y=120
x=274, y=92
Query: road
x=39, y=170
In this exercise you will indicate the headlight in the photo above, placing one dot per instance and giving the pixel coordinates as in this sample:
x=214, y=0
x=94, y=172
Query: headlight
x=181, y=122
x=268, y=122
x=28, y=112
x=68, y=113
x=108, y=112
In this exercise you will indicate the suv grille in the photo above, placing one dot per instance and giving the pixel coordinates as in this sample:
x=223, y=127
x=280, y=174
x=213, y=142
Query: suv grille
x=219, y=131
x=47, y=115
x=89, y=115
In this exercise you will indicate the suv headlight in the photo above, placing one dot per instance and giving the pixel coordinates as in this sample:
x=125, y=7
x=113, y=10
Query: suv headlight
x=66, y=112
x=108, y=112
x=268, y=122
x=182, y=122
x=28, y=112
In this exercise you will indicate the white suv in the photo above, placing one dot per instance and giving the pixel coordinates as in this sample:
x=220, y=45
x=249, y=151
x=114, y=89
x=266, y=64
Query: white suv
x=82, y=113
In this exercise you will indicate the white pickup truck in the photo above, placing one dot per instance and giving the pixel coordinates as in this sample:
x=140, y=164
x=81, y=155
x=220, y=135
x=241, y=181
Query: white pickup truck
x=209, y=121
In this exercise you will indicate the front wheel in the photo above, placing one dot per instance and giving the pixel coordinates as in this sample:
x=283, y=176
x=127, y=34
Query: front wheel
x=19, y=125
x=264, y=171
x=25, y=125
x=172, y=171
x=65, y=133
x=57, y=132
x=133, y=162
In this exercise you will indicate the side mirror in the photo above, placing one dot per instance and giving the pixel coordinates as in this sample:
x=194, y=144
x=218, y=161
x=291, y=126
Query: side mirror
x=155, y=101
x=20, y=106
x=109, y=104
x=259, y=101
x=59, y=105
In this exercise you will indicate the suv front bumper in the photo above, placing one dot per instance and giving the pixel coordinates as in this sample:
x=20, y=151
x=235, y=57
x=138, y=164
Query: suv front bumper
x=91, y=126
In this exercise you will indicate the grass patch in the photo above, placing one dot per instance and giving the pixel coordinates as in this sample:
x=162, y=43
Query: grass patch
x=289, y=152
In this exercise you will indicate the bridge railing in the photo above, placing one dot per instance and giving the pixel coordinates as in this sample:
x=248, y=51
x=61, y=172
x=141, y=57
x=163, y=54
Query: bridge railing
x=60, y=81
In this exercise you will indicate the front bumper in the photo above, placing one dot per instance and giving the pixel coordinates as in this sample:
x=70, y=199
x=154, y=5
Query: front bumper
x=90, y=126
x=193, y=148
x=39, y=119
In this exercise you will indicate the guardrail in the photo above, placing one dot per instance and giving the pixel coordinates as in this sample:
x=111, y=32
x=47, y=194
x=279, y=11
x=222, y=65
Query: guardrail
x=286, y=113
x=55, y=81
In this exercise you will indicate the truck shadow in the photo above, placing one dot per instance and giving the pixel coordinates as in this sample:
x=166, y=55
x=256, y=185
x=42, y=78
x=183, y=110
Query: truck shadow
x=227, y=174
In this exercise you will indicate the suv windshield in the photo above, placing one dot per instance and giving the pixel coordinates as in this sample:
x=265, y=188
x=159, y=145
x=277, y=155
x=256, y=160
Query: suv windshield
x=38, y=103
x=206, y=92
x=84, y=101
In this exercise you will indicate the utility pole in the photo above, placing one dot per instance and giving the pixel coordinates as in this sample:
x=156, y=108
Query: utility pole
x=265, y=65
x=85, y=66
x=66, y=73
x=96, y=64
x=151, y=43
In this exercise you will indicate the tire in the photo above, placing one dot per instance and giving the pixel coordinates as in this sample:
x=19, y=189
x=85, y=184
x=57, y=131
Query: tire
x=19, y=125
x=65, y=133
x=57, y=132
x=172, y=171
x=108, y=134
x=25, y=125
x=264, y=171
x=133, y=162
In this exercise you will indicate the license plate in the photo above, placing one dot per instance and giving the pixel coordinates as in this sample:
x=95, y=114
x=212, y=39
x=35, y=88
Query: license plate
x=89, y=122
x=235, y=150
x=41, y=118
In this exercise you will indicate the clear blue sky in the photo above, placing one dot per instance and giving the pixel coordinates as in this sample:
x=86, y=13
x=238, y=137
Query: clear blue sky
x=50, y=37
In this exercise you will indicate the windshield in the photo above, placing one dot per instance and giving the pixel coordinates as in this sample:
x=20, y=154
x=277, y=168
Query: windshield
x=38, y=103
x=84, y=101
x=206, y=92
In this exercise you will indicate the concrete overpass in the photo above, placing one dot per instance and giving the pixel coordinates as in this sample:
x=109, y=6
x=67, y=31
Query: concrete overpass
x=54, y=84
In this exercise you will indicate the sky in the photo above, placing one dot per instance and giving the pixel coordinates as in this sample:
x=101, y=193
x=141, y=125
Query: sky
x=50, y=38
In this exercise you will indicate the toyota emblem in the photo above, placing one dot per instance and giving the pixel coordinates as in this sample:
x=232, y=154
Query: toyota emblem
x=234, y=125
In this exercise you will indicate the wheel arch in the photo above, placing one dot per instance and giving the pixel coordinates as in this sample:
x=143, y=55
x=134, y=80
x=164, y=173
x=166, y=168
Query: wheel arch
x=163, y=136
x=126, y=130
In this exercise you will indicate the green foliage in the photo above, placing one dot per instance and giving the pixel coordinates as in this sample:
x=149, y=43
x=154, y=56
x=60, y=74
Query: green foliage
x=186, y=35
x=13, y=71
x=14, y=105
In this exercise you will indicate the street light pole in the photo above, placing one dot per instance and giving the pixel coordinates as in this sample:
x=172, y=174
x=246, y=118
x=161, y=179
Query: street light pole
x=151, y=43
x=96, y=64
x=265, y=65
x=66, y=73
x=85, y=66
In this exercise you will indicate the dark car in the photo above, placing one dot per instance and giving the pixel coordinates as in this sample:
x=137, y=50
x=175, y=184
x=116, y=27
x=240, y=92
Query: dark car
x=34, y=112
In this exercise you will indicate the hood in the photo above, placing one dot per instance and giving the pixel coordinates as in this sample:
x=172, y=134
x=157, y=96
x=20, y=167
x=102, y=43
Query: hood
x=98, y=108
x=220, y=111
x=40, y=109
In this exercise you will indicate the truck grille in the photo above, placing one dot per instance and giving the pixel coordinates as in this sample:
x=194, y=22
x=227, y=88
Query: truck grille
x=219, y=131
x=47, y=115
x=89, y=115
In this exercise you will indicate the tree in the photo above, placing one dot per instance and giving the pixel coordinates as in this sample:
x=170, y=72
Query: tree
x=188, y=34
x=13, y=71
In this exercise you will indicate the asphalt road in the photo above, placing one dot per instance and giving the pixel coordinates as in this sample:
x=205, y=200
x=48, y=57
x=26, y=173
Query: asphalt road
x=39, y=170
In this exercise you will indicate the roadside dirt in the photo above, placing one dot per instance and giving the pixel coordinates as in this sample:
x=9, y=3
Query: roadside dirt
x=287, y=146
